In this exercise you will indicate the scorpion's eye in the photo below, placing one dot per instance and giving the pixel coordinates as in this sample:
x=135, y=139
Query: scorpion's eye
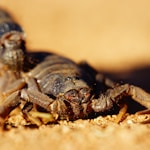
x=84, y=94
x=72, y=96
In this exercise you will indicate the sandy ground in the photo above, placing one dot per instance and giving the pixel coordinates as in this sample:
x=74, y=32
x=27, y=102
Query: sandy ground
x=113, y=36
x=88, y=134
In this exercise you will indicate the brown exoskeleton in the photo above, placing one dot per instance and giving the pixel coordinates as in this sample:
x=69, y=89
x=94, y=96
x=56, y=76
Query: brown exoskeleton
x=54, y=84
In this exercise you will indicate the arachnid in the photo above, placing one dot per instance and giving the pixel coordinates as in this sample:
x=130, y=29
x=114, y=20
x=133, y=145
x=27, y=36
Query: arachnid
x=52, y=84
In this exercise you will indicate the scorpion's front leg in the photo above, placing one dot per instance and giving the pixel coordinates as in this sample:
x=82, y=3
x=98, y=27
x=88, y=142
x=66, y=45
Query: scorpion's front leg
x=10, y=103
x=34, y=97
x=10, y=97
x=112, y=97
x=37, y=98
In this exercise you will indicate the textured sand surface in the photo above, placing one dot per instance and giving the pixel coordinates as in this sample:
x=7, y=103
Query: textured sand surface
x=100, y=133
x=114, y=37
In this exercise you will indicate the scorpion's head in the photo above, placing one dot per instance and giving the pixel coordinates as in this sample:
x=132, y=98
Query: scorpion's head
x=12, y=49
x=77, y=91
x=78, y=95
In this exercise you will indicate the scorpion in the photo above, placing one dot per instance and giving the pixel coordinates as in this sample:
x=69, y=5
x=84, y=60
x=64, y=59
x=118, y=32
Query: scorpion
x=55, y=85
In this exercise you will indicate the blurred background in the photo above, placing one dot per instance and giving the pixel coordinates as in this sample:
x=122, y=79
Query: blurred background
x=111, y=35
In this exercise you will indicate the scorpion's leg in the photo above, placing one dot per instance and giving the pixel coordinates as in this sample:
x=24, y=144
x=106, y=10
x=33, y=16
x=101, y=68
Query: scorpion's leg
x=9, y=83
x=112, y=97
x=14, y=86
x=35, y=97
x=10, y=103
x=10, y=98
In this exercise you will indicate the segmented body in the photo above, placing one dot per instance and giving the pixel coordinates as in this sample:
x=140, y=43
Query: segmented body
x=66, y=83
x=54, y=73
x=11, y=52
x=7, y=24
x=12, y=42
